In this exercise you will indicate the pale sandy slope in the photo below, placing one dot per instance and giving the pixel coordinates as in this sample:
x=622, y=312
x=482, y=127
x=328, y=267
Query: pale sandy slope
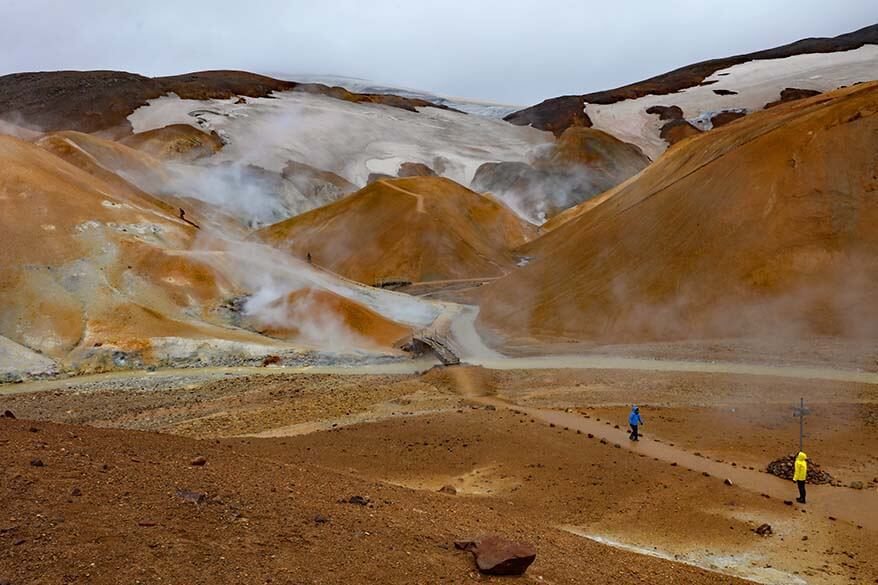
x=352, y=140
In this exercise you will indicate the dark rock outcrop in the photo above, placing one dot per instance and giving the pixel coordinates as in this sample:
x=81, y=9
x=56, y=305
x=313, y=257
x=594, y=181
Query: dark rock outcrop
x=666, y=112
x=676, y=130
x=790, y=94
x=413, y=169
x=723, y=118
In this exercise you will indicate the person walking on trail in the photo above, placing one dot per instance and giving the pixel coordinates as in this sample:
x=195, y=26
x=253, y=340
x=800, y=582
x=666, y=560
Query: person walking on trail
x=634, y=421
x=800, y=475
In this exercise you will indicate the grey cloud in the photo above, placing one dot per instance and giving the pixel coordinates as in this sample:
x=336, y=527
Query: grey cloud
x=517, y=52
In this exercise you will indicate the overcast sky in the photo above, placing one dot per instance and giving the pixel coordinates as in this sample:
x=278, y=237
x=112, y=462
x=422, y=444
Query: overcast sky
x=509, y=51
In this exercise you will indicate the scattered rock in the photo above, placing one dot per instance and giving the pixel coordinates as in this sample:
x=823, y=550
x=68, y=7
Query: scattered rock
x=198, y=461
x=271, y=360
x=76, y=492
x=590, y=436
x=857, y=485
x=320, y=519
x=146, y=523
x=496, y=555
x=727, y=482
x=448, y=489
x=37, y=462
x=724, y=92
x=19, y=542
x=34, y=430
x=190, y=496
x=788, y=502
x=358, y=500
x=805, y=537
x=8, y=414
x=764, y=530
x=603, y=441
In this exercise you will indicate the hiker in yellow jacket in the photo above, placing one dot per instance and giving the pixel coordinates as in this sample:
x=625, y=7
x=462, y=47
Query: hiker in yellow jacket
x=800, y=475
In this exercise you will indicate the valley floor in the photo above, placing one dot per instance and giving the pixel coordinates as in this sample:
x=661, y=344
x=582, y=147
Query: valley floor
x=531, y=454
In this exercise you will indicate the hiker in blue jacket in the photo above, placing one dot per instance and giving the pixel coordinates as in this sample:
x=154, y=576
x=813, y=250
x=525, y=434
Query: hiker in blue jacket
x=634, y=421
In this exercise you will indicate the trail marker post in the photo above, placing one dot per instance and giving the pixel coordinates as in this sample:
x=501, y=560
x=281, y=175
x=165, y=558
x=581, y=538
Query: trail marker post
x=801, y=411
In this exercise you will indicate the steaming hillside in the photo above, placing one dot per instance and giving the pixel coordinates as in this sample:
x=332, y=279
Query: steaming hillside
x=98, y=272
x=667, y=108
x=415, y=229
x=764, y=226
x=582, y=163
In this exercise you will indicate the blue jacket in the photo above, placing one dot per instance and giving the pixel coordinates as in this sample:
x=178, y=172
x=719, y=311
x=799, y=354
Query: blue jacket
x=634, y=417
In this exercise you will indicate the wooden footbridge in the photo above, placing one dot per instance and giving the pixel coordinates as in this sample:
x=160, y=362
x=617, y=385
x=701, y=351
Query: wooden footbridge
x=430, y=340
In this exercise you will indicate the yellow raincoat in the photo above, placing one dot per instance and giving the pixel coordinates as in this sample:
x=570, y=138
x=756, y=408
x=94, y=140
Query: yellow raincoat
x=801, y=471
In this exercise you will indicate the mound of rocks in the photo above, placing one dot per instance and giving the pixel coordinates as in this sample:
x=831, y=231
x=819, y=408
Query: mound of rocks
x=786, y=466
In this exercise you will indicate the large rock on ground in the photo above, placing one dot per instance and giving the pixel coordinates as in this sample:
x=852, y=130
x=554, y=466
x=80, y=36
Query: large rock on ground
x=496, y=555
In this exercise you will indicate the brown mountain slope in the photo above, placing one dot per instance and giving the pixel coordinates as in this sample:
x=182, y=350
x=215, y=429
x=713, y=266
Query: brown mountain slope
x=415, y=229
x=558, y=114
x=764, y=226
x=91, y=101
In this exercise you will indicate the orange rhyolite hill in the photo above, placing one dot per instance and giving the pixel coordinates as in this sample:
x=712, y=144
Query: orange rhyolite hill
x=768, y=225
x=415, y=229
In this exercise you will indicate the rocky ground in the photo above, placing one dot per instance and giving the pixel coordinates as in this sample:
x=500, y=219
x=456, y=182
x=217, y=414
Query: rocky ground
x=436, y=461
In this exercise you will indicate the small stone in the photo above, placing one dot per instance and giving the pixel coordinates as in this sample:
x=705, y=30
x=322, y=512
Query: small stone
x=146, y=523
x=18, y=542
x=320, y=519
x=590, y=436
x=358, y=500
x=788, y=502
x=34, y=430
x=198, y=461
x=617, y=445
x=37, y=462
x=727, y=482
x=805, y=537
x=603, y=441
x=856, y=485
x=448, y=489
x=75, y=492
x=8, y=414
x=764, y=530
